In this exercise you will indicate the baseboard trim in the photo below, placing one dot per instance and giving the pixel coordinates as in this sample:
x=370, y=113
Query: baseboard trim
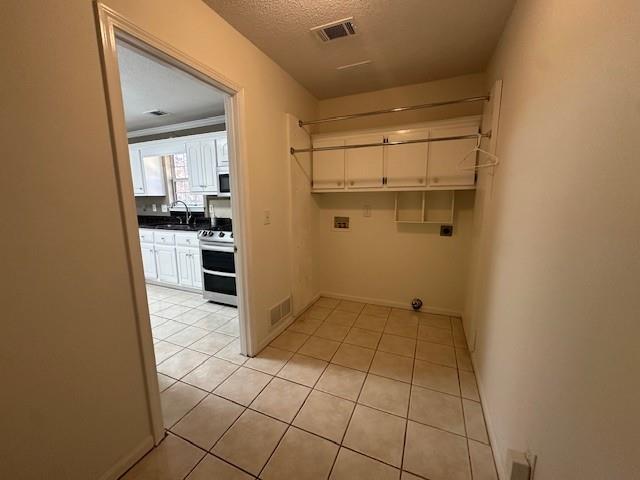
x=284, y=324
x=391, y=303
x=129, y=460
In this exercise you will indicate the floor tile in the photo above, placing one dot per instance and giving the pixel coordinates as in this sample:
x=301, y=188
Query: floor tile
x=459, y=340
x=177, y=400
x=349, y=306
x=317, y=312
x=210, y=373
x=435, y=454
x=269, y=360
x=232, y=354
x=211, y=321
x=290, y=341
x=250, y=441
x=436, y=377
x=210, y=307
x=193, y=302
x=243, y=385
x=386, y=394
x=436, y=353
x=191, y=316
x=352, y=356
x=167, y=329
x=164, y=350
x=437, y=409
x=232, y=327
x=341, y=381
x=156, y=321
x=281, y=399
x=306, y=325
x=325, y=415
x=370, y=322
x=468, y=386
x=464, y=360
x=376, y=310
x=318, y=347
x=302, y=369
x=409, y=476
x=212, y=468
x=159, y=305
x=363, y=338
x=332, y=331
x=392, y=366
x=165, y=382
x=178, y=365
x=338, y=317
x=482, y=465
x=229, y=311
x=208, y=421
x=187, y=336
x=438, y=321
x=171, y=460
x=353, y=466
x=435, y=335
x=474, y=420
x=211, y=343
x=399, y=345
x=403, y=327
x=173, y=311
x=327, y=302
x=302, y=456
x=376, y=434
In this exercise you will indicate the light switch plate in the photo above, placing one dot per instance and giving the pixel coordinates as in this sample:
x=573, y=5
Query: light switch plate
x=366, y=211
x=164, y=208
x=154, y=207
x=267, y=217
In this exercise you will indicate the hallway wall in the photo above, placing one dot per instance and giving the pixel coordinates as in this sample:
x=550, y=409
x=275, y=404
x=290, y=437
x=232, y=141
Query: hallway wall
x=557, y=260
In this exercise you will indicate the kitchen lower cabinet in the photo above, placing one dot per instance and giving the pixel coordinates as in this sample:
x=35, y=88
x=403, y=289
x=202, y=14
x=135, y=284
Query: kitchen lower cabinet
x=149, y=261
x=189, y=274
x=166, y=263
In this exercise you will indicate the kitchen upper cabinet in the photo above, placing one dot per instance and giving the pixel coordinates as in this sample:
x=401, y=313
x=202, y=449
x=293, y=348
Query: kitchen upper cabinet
x=147, y=173
x=406, y=165
x=364, y=166
x=166, y=263
x=136, y=171
x=328, y=166
x=149, y=261
x=201, y=164
x=444, y=157
x=222, y=152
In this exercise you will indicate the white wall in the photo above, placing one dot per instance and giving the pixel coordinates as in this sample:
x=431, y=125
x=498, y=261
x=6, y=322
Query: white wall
x=378, y=259
x=73, y=397
x=557, y=299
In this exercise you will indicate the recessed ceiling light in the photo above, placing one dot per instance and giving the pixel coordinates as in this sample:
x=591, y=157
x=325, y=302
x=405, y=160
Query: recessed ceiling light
x=157, y=113
x=352, y=65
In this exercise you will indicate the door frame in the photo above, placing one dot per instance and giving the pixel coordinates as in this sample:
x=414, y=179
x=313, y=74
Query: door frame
x=112, y=25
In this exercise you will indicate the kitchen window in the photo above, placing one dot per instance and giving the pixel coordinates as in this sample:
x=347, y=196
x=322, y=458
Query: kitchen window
x=177, y=173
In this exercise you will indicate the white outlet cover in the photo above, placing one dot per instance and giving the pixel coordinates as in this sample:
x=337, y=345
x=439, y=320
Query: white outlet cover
x=154, y=207
x=165, y=208
x=366, y=211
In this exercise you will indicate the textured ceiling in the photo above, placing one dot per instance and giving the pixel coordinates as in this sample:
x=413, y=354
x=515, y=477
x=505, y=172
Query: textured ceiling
x=408, y=41
x=150, y=84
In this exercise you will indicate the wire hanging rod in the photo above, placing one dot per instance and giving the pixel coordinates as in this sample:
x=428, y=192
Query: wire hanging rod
x=394, y=110
x=473, y=136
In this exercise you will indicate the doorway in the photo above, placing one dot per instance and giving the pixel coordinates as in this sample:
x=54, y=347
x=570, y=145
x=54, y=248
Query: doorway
x=181, y=198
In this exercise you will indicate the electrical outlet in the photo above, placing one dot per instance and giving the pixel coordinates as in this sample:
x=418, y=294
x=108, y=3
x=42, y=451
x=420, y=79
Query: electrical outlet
x=366, y=211
x=154, y=207
x=164, y=208
x=267, y=217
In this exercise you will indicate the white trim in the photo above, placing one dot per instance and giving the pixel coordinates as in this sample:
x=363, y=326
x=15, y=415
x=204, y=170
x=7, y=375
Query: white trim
x=176, y=127
x=391, y=303
x=129, y=460
x=108, y=22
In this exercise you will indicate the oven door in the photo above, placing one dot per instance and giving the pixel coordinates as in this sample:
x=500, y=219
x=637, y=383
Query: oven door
x=217, y=258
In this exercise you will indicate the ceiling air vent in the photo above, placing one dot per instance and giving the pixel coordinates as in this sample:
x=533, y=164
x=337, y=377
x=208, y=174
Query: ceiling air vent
x=157, y=113
x=333, y=30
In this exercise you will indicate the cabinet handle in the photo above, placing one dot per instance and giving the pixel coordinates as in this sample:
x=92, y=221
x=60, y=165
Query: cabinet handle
x=435, y=179
x=351, y=182
x=338, y=183
x=420, y=180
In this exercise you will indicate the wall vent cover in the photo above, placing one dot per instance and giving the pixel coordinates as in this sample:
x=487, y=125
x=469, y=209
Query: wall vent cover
x=334, y=30
x=280, y=311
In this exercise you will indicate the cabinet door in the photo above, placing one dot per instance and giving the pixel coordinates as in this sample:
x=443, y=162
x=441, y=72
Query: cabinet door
x=222, y=151
x=136, y=171
x=406, y=165
x=197, y=267
x=154, y=184
x=209, y=177
x=148, y=261
x=328, y=167
x=166, y=264
x=365, y=166
x=194, y=167
x=185, y=267
x=444, y=157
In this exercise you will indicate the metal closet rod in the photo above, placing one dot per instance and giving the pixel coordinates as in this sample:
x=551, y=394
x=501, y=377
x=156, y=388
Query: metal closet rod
x=473, y=136
x=394, y=110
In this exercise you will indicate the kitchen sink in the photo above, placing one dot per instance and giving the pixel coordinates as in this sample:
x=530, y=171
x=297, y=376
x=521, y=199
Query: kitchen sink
x=174, y=226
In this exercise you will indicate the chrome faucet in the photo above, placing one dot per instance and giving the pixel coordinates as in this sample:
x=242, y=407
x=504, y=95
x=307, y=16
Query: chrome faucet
x=188, y=214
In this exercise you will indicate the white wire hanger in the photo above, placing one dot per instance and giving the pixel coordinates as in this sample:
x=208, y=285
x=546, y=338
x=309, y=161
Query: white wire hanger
x=475, y=150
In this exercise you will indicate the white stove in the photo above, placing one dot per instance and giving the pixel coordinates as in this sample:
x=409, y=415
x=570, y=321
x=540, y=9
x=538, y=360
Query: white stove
x=214, y=236
x=217, y=252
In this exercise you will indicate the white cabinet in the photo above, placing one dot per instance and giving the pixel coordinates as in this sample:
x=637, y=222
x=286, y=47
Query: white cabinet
x=364, y=166
x=166, y=263
x=149, y=261
x=222, y=152
x=444, y=157
x=147, y=173
x=406, y=165
x=328, y=166
x=189, y=266
x=201, y=163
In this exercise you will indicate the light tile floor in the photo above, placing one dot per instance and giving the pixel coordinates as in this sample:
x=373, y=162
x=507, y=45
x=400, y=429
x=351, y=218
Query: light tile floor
x=348, y=391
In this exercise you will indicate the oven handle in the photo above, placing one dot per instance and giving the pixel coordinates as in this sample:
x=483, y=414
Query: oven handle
x=214, y=248
x=219, y=274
